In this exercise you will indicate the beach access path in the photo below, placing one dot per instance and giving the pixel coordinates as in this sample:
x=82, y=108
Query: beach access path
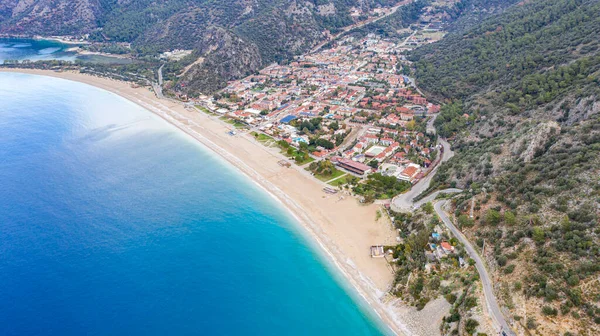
x=343, y=228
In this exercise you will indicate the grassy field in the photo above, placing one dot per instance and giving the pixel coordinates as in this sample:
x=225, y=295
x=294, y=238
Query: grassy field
x=204, y=109
x=235, y=123
x=308, y=160
x=262, y=137
x=325, y=178
x=293, y=154
x=338, y=182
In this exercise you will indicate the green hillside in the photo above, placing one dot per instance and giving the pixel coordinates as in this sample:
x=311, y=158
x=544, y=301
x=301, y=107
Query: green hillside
x=523, y=94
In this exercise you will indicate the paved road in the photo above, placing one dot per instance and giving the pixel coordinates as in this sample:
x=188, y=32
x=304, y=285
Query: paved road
x=406, y=201
x=360, y=24
x=491, y=301
x=157, y=87
x=433, y=195
x=160, y=76
x=414, y=84
x=430, y=128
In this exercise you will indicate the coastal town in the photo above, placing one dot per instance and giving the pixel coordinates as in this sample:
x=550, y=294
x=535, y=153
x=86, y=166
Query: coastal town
x=351, y=104
x=349, y=116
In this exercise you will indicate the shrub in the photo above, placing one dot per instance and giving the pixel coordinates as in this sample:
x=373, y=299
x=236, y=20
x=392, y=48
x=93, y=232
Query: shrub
x=470, y=326
x=470, y=302
x=518, y=286
x=434, y=284
x=573, y=280
x=422, y=303
x=455, y=316
x=531, y=323
x=451, y=298
x=549, y=311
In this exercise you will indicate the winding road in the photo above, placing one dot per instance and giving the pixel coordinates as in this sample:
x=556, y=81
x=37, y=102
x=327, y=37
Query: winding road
x=360, y=24
x=406, y=202
x=490, y=299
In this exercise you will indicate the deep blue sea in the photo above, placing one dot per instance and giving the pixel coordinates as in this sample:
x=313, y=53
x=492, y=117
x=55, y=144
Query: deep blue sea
x=112, y=222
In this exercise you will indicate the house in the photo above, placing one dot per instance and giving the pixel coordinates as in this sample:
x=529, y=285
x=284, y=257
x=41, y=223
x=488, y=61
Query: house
x=371, y=138
x=409, y=173
x=320, y=154
x=354, y=167
x=406, y=116
x=418, y=99
x=287, y=119
x=252, y=110
x=374, y=130
x=447, y=247
x=386, y=141
x=387, y=151
x=398, y=158
x=433, y=108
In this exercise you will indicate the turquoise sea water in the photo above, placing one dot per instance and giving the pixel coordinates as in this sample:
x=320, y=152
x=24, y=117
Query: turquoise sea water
x=41, y=50
x=114, y=223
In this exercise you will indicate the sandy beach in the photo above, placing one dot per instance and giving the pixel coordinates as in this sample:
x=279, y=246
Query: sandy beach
x=343, y=228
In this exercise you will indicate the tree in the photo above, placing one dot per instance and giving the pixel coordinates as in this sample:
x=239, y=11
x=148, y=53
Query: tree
x=538, y=235
x=509, y=218
x=324, y=143
x=428, y=208
x=492, y=217
x=465, y=221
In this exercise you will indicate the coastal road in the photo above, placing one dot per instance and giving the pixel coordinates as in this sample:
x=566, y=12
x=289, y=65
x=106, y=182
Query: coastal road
x=160, y=76
x=158, y=86
x=491, y=301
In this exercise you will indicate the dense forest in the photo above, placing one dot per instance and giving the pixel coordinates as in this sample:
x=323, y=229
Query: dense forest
x=523, y=110
x=509, y=47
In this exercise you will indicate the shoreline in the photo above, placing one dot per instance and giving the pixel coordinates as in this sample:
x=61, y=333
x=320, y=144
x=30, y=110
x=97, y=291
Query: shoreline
x=59, y=40
x=343, y=229
x=43, y=38
x=82, y=52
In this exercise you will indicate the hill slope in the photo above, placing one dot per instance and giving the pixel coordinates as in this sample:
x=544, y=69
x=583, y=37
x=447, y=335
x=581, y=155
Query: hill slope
x=262, y=31
x=524, y=111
